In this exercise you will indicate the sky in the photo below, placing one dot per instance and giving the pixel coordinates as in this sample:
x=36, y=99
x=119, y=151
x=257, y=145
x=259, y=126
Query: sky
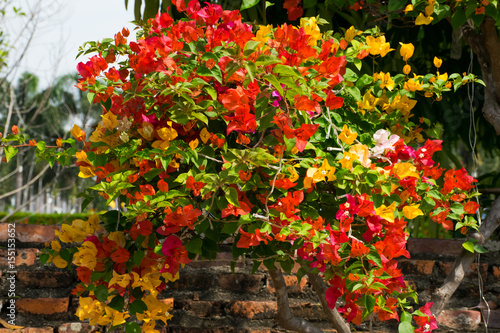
x=63, y=27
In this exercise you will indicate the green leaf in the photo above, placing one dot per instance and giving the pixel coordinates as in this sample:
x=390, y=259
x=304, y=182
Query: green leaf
x=469, y=246
x=101, y=293
x=479, y=249
x=214, y=72
x=405, y=327
x=230, y=228
x=137, y=306
x=90, y=96
x=245, y=4
x=132, y=328
x=265, y=60
x=138, y=256
x=151, y=9
x=284, y=70
x=232, y=196
x=44, y=257
x=458, y=18
x=375, y=257
x=406, y=317
x=194, y=245
x=369, y=302
x=10, y=152
x=395, y=5
x=117, y=303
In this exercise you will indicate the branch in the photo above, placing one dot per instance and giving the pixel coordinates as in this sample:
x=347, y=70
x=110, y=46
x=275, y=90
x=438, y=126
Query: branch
x=25, y=185
x=464, y=260
x=285, y=317
x=333, y=315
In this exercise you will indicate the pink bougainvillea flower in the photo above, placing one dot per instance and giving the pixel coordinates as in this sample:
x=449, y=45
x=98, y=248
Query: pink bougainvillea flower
x=384, y=140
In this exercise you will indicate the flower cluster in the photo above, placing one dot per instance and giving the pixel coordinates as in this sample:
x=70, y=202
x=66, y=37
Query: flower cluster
x=213, y=129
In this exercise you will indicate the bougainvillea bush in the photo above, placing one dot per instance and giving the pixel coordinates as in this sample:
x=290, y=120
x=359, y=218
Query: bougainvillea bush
x=281, y=137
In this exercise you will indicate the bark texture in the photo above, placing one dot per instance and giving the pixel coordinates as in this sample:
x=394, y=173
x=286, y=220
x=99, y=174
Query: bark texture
x=462, y=262
x=487, y=49
x=285, y=318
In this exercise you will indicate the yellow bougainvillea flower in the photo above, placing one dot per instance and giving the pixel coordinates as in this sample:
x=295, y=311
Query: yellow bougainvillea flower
x=122, y=280
x=368, y=103
x=118, y=237
x=347, y=160
x=408, y=8
x=378, y=45
x=347, y=136
x=311, y=28
x=351, y=33
x=412, y=211
x=98, y=134
x=437, y=62
x=260, y=36
x=386, y=80
x=194, y=143
x=86, y=255
x=406, y=51
x=325, y=171
x=443, y=76
x=423, y=20
x=109, y=120
x=55, y=245
x=386, y=212
x=60, y=262
x=205, y=135
x=166, y=134
x=77, y=133
x=293, y=174
x=405, y=169
x=115, y=317
x=146, y=131
x=407, y=69
x=413, y=84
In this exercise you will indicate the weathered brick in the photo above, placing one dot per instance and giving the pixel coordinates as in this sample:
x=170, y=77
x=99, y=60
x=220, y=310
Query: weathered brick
x=418, y=267
x=191, y=281
x=240, y=282
x=496, y=272
x=467, y=320
x=222, y=259
x=30, y=233
x=449, y=247
x=470, y=272
x=43, y=306
x=200, y=308
x=254, y=309
x=74, y=328
x=44, y=279
x=292, y=284
x=169, y=301
x=492, y=317
x=23, y=257
x=28, y=330
x=308, y=311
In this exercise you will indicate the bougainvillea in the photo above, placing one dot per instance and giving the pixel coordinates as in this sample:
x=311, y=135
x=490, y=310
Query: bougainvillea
x=276, y=136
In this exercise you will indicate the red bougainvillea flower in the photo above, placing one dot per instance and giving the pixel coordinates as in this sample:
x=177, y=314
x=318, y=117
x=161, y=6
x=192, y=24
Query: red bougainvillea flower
x=428, y=322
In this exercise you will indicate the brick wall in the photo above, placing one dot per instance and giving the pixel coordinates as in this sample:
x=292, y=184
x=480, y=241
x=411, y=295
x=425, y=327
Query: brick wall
x=208, y=298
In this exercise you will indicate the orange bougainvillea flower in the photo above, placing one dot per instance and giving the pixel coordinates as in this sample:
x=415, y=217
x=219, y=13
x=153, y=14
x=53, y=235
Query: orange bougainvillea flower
x=15, y=130
x=77, y=133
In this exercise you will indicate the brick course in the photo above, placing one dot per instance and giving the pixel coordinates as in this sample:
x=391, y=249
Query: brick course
x=208, y=298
